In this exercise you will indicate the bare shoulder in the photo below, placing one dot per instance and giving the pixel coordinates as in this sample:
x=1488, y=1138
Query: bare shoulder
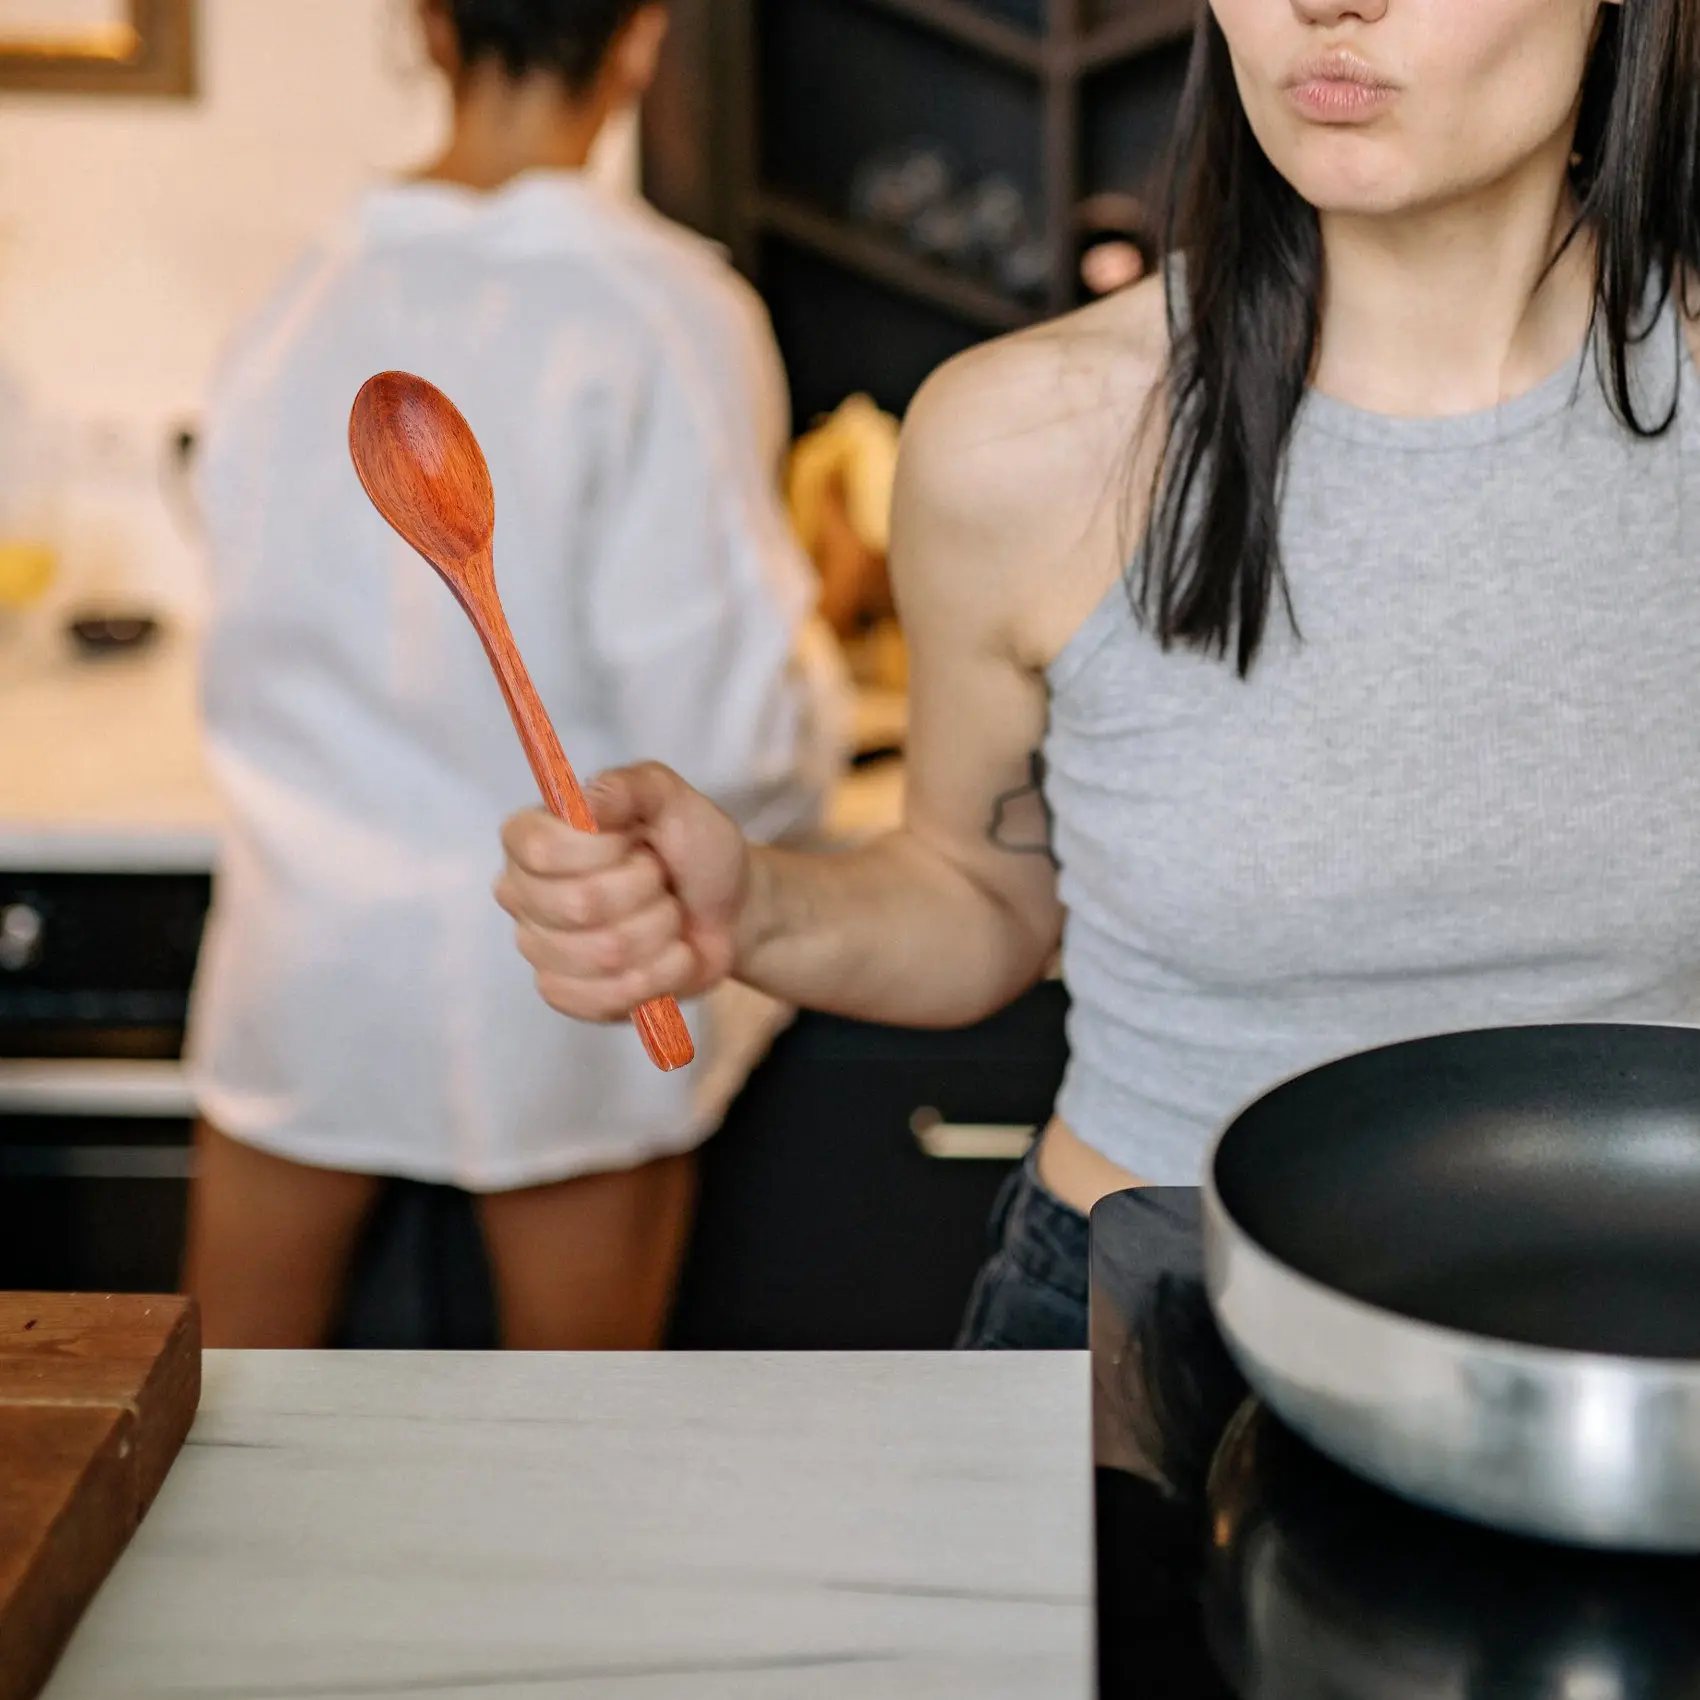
x=1022, y=470
x=1014, y=427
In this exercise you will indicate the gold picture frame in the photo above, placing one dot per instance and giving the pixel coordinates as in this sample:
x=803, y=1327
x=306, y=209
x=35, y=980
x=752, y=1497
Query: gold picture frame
x=144, y=47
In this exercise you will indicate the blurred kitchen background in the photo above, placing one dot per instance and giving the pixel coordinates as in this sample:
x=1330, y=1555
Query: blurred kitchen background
x=900, y=178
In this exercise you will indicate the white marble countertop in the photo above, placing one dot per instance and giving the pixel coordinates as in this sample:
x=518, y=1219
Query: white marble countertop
x=101, y=767
x=341, y=1525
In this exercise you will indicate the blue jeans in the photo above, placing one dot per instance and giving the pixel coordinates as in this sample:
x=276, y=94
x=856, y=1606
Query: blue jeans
x=1031, y=1294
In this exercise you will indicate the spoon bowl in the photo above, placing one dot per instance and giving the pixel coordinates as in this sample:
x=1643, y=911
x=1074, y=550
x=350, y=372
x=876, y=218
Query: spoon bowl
x=422, y=467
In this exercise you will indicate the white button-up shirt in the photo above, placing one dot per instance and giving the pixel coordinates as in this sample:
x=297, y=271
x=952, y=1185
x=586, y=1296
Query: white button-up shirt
x=360, y=1003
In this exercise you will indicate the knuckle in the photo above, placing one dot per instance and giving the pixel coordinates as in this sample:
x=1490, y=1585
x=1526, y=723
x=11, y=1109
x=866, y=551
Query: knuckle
x=522, y=898
x=557, y=991
x=526, y=838
x=651, y=925
x=631, y=878
x=663, y=926
x=654, y=874
x=533, y=948
x=579, y=906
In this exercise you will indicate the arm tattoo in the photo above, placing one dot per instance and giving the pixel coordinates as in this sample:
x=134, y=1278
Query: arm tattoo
x=1021, y=819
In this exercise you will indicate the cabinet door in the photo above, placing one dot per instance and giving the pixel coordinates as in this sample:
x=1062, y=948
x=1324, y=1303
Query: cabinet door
x=824, y=1223
x=92, y=1203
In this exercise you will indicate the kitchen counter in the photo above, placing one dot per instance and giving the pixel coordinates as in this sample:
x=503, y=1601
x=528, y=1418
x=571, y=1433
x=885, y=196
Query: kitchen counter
x=805, y=1527
x=101, y=769
x=100, y=762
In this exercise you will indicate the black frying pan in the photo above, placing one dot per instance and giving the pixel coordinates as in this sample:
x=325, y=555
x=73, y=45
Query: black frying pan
x=1469, y=1268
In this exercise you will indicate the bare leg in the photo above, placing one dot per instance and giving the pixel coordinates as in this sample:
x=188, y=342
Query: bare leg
x=269, y=1243
x=591, y=1264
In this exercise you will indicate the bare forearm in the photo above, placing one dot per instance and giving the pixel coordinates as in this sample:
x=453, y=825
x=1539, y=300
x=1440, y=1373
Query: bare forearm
x=890, y=932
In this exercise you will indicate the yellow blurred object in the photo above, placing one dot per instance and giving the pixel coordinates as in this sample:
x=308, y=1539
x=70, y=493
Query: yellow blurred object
x=856, y=447
x=26, y=570
x=839, y=489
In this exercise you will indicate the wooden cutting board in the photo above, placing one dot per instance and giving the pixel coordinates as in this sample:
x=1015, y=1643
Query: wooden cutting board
x=96, y=1395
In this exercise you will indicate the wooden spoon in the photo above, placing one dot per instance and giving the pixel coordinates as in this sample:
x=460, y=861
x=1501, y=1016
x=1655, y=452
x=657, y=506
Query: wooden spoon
x=425, y=473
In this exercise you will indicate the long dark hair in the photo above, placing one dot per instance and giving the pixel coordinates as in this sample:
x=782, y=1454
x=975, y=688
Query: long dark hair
x=1244, y=340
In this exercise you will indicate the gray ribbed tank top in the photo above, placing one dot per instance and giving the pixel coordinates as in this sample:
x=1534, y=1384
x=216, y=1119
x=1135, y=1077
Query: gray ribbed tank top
x=1468, y=794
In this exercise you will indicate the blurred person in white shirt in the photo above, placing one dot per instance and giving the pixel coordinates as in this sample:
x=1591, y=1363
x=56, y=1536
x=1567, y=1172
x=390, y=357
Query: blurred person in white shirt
x=360, y=1011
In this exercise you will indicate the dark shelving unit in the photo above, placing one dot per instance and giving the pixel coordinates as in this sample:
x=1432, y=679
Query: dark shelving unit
x=886, y=262
x=969, y=25
x=1133, y=30
x=766, y=108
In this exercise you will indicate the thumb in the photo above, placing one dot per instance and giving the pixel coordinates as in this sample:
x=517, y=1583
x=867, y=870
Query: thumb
x=629, y=799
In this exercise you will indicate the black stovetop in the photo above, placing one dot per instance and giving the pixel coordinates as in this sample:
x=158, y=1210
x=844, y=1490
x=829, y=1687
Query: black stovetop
x=1235, y=1563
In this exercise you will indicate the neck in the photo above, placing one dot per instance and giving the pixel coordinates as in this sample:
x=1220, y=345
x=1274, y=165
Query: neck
x=1460, y=307
x=505, y=125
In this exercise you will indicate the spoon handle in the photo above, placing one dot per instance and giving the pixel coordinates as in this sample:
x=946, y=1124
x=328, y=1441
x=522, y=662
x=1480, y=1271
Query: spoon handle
x=660, y=1022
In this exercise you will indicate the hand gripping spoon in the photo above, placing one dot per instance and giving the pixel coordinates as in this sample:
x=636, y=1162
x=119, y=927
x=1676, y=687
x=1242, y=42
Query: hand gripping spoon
x=425, y=473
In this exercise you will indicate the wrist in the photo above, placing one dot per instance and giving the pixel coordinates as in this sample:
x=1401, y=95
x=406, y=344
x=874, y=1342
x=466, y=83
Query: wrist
x=758, y=918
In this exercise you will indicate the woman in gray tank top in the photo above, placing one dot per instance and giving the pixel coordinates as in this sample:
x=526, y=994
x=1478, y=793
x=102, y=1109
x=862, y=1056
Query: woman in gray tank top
x=1392, y=726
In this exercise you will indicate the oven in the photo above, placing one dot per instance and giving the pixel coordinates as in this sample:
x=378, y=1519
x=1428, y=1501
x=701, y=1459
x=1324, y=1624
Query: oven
x=96, y=1118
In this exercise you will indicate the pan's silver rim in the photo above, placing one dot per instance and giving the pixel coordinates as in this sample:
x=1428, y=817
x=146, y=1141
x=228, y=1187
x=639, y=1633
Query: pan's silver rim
x=1459, y=1339
x=1492, y=1431
x=1463, y=1338
x=1595, y=1449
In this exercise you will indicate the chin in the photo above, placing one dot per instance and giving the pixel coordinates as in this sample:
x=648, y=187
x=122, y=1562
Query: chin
x=1355, y=176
